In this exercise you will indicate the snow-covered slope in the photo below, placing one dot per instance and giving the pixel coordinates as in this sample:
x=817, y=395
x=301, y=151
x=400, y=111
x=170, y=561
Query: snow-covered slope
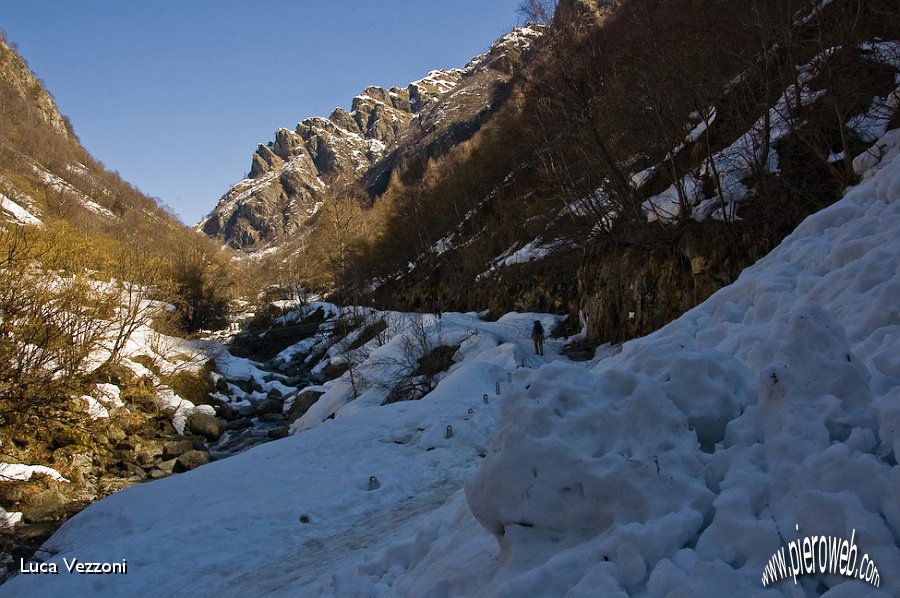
x=678, y=467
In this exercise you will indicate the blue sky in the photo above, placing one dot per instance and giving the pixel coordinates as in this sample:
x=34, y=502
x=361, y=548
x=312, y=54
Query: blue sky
x=176, y=94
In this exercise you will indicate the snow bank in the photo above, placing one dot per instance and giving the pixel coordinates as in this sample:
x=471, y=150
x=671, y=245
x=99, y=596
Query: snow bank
x=9, y=519
x=281, y=517
x=95, y=410
x=17, y=471
x=107, y=396
x=683, y=463
x=567, y=467
x=487, y=352
x=18, y=213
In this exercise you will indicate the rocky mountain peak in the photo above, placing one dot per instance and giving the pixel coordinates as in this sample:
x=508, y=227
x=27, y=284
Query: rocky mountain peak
x=285, y=185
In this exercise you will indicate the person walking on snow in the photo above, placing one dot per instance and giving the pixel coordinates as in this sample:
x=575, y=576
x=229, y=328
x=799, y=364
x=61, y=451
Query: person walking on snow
x=537, y=335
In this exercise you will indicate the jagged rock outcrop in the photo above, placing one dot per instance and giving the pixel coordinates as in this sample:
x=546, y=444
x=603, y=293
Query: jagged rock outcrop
x=290, y=176
x=20, y=80
x=192, y=460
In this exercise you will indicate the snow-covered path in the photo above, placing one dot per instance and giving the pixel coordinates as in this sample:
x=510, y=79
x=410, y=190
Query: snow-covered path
x=274, y=518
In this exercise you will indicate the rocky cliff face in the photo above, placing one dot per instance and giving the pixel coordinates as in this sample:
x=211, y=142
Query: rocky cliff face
x=290, y=176
x=19, y=80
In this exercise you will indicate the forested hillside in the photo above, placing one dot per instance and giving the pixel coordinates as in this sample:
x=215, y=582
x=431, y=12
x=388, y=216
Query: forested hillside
x=635, y=159
x=642, y=161
x=99, y=285
x=49, y=181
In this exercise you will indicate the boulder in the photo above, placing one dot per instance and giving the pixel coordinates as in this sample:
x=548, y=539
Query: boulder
x=111, y=485
x=78, y=465
x=279, y=432
x=191, y=460
x=334, y=370
x=46, y=506
x=133, y=471
x=247, y=385
x=132, y=422
x=82, y=465
x=221, y=385
x=115, y=433
x=302, y=403
x=223, y=408
x=146, y=452
x=206, y=425
x=268, y=406
x=164, y=426
x=175, y=448
x=167, y=467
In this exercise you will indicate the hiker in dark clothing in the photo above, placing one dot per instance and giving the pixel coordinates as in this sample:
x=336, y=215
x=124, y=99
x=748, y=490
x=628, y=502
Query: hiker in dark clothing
x=537, y=335
x=437, y=309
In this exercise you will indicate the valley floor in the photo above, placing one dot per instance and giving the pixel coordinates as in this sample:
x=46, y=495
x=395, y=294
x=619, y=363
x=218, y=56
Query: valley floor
x=679, y=466
x=277, y=516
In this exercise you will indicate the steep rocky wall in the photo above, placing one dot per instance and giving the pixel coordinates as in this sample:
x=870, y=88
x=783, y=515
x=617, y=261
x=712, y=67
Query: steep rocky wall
x=657, y=275
x=386, y=130
x=547, y=285
x=630, y=290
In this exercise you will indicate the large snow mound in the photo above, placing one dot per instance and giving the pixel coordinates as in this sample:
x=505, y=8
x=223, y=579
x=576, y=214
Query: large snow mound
x=790, y=379
x=679, y=467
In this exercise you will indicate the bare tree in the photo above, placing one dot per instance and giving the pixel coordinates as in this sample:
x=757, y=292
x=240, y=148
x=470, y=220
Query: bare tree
x=138, y=275
x=52, y=324
x=202, y=282
x=537, y=11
